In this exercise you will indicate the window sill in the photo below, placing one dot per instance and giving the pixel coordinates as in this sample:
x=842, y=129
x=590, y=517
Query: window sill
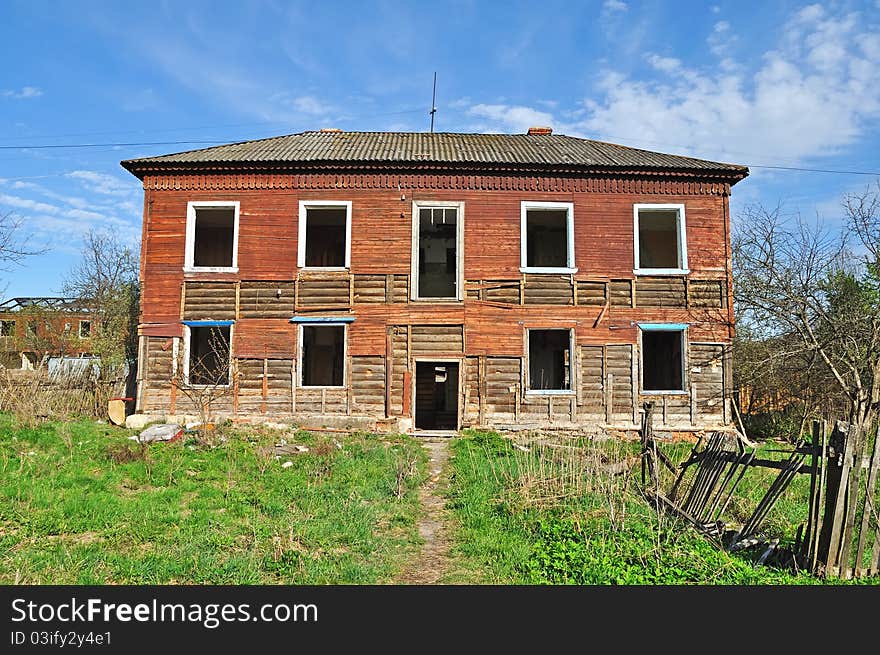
x=661, y=271
x=445, y=301
x=324, y=269
x=316, y=387
x=210, y=269
x=548, y=270
x=550, y=392
x=207, y=386
x=665, y=393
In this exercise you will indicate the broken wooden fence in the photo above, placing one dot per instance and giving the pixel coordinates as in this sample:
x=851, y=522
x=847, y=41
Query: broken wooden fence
x=841, y=533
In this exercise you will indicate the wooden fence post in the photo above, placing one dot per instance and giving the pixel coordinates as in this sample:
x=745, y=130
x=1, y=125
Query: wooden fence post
x=839, y=460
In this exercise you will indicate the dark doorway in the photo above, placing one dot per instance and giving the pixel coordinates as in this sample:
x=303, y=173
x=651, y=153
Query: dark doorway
x=436, y=395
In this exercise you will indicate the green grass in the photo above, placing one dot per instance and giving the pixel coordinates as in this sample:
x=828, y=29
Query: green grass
x=73, y=512
x=514, y=528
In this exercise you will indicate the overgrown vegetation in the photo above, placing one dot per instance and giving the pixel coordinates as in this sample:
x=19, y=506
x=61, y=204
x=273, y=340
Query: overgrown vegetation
x=80, y=503
x=808, y=315
x=571, y=513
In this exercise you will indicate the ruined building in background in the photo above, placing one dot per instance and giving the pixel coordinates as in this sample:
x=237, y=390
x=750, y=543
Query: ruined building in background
x=437, y=281
x=36, y=329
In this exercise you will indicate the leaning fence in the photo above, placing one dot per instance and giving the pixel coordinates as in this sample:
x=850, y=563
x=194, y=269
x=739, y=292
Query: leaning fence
x=840, y=534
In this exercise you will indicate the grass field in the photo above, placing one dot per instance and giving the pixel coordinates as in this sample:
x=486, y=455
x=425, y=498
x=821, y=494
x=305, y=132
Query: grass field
x=82, y=504
x=552, y=516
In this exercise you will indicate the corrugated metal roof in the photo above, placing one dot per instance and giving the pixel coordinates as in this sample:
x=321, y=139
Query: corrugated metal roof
x=443, y=148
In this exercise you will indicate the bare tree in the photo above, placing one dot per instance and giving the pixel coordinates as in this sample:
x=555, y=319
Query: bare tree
x=815, y=297
x=206, y=378
x=13, y=247
x=105, y=282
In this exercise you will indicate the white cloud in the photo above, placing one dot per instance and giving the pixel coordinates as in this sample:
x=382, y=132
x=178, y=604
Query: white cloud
x=24, y=93
x=103, y=183
x=665, y=64
x=614, y=5
x=310, y=105
x=813, y=94
x=514, y=119
x=26, y=203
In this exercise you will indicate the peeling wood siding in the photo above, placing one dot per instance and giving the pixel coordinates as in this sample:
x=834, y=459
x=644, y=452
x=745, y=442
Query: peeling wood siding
x=591, y=292
x=706, y=363
x=327, y=290
x=399, y=365
x=431, y=339
x=159, y=362
x=618, y=362
x=707, y=293
x=620, y=293
x=666, y=291
x=261, y=299
x=502, y=383
x=369, y=288
x=368, y=385
x=548, y=290
x=209, y=301
x=592, y=379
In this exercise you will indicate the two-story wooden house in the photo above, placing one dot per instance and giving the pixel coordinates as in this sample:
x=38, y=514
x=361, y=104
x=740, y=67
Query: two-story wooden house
x=436, y=281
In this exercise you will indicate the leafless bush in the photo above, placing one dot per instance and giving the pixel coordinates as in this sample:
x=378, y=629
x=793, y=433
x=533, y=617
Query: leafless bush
x=548, y=473
x=35, y=396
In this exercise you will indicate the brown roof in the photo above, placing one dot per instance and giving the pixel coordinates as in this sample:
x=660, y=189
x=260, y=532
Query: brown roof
x=407, y=148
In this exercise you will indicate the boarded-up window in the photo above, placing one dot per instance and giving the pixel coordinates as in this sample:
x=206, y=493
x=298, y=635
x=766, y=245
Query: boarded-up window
x=549, y=360
x=325, y=236
x=547, y=238
x=662, y=363
x=214, y=239
x=660, y=238
x=209, y=355
x=323, y=355
x=438, y=252
x=7, y=328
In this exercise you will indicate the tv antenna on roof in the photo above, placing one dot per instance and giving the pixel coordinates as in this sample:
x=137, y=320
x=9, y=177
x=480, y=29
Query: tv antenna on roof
x=433, y=101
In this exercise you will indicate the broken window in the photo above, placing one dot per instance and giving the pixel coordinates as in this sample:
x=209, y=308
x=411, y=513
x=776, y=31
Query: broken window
x=438, y=252
x=212, y=235
x=549, y=360
x=322, y=361
x=660, y=237
x=31, y=328
x=662, y=360
x=85, y=329
x=547, y=233
x=7, y=328
x=324, y=233
x=209, y=355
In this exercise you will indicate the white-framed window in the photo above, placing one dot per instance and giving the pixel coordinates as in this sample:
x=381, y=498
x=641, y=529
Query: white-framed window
x=660, y=239
x=550, y=360
x=212, y=236
x=663, y=347
x=207, y=355
x=437, y=250
x=547, y=237
x=322, y=355
x=324, y=234
x=84, y=331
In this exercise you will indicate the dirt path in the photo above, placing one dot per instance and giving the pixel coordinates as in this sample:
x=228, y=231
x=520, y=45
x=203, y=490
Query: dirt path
x=429, y=565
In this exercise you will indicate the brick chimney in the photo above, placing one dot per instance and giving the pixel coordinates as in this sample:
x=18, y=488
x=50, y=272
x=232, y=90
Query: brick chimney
x=541, y=130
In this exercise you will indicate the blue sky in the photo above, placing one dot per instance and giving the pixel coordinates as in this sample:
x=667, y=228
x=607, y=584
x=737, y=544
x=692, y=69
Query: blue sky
x=758, y=83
